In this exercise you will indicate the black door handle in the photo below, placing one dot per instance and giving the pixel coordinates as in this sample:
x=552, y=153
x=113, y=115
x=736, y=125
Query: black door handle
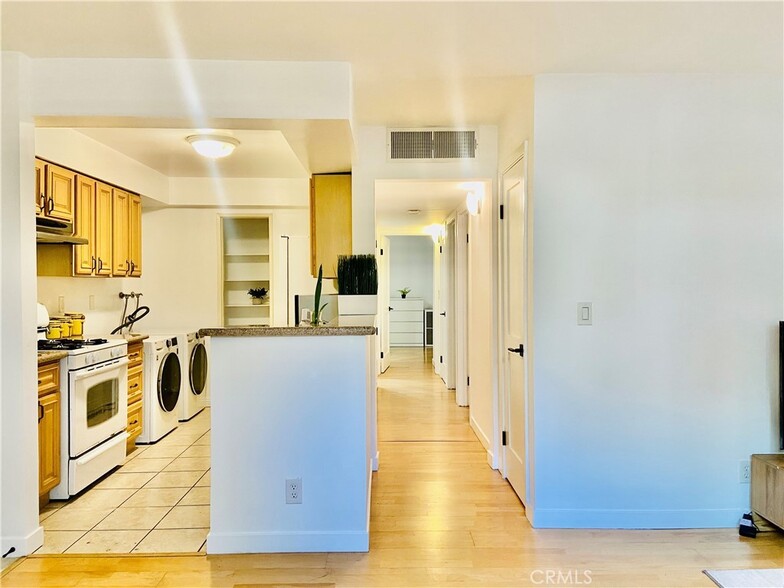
x=519, y=350
x=443, y=314
x=390, y=308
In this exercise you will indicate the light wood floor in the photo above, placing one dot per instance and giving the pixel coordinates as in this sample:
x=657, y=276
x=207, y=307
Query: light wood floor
x=440, y=517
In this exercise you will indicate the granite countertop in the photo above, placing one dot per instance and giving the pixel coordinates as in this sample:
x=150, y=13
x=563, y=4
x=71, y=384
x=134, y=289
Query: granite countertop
x=45, y=357
x=260, y=331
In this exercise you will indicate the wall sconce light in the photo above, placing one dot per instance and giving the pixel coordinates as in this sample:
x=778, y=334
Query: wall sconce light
x=436, y=232
x=474, y=202
x=212, y=146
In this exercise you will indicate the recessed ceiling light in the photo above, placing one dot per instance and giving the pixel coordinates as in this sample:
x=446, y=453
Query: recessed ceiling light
x=213, y=146
x=414, y=211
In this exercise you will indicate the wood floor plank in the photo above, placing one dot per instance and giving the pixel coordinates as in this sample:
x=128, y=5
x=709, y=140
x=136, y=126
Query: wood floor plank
x=440, y=517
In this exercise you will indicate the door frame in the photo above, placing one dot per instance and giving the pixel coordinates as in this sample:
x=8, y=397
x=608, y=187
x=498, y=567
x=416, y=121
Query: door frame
x=383, y=251
x=503, y=388
x=461, y=306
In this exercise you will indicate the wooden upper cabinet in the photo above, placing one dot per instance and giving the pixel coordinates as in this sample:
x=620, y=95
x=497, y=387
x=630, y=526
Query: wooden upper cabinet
x=40, y=187
x=84, y=226
x=330, y=221
x=103, y=230
x=135, y=235
x=121, y=263
x=60, y=188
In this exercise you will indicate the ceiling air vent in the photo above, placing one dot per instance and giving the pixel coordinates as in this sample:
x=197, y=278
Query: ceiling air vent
x=431, y=145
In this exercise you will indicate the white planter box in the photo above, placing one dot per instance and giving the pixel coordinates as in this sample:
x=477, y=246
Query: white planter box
x=357, y=304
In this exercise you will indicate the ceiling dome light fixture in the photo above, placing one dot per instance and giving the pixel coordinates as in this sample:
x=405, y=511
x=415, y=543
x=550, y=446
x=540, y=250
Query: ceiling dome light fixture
x=213, y=146
x=413, y=211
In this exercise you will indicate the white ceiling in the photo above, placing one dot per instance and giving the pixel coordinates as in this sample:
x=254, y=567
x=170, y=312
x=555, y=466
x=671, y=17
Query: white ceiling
x=260, y=154
x=413, y=63
x=416, y=62
x=434, y=199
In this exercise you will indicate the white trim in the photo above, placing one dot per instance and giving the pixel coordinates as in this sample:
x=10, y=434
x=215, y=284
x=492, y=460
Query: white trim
x=483, y=438
x=344, y=541
x=461, y=307
x=633, y=519
x=23, y=545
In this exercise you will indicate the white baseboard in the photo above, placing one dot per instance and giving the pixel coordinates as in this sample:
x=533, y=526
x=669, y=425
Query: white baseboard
x=544, y=518
x=23, y=545
x=346, y=541
x=485, y=441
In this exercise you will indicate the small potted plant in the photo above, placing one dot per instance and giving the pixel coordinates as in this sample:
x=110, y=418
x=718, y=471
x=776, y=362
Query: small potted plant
x=404, y=292
x=357, y=285
x=257, y=295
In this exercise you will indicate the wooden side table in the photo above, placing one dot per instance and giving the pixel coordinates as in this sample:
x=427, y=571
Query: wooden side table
x=767, y=487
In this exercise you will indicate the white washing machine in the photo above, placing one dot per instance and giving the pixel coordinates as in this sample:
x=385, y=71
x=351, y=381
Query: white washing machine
x=194, y=361
x=162, y=384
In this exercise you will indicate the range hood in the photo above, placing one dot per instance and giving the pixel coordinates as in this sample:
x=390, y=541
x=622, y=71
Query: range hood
x=51, y=231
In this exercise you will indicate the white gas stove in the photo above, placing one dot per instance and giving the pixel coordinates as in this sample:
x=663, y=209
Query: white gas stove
x=94, y=414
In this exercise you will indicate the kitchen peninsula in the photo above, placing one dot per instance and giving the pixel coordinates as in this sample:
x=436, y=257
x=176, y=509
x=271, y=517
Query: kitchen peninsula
x=292, y=405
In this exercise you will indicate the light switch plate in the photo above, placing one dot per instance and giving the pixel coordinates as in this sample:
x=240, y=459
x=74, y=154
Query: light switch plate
x=584, y=313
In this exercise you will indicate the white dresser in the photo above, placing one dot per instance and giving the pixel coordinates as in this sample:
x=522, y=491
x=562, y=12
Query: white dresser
x=406, y=322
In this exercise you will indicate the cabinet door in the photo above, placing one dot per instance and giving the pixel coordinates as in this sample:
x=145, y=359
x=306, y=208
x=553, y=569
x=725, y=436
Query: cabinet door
x=135, y=234
x=60, y=184
x=120, y=210
x=48, y=442
x=40, y=184
x=84, y=226
x=103, y=230
x=330, y=221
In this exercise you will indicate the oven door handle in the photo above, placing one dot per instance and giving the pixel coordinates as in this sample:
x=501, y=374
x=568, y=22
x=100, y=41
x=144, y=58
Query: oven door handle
x=80, y=375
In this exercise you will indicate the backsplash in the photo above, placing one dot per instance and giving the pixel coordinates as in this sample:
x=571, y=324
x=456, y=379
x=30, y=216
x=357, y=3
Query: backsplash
x=107, y=306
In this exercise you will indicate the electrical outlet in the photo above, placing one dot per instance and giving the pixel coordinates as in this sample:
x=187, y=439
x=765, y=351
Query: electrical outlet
x=61, y=304
x=294, y=491
x=91, y=303
x=744, y=472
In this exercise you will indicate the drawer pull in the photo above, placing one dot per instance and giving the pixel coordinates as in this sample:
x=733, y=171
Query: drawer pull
x=40, y=412
x=40, y=382
x=134, y=422
x=134, y=386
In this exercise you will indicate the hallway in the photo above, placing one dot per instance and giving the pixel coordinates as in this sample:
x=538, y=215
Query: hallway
x=440, y=517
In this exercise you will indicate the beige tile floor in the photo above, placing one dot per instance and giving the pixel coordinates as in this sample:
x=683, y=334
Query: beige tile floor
x=158, y=501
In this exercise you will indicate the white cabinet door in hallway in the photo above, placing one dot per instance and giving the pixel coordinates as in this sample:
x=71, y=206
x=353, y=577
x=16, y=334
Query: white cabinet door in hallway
x=514, y=292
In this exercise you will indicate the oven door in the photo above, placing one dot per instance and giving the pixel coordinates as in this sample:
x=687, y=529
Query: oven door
x=98, y=404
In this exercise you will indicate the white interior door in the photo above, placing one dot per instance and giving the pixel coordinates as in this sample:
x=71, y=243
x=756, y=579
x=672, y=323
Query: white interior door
x=514, y=293
x=383, y=301
x=461, y=309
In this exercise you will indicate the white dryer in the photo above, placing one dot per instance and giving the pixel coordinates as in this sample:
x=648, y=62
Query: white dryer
x=194, y=361
x=162, y=384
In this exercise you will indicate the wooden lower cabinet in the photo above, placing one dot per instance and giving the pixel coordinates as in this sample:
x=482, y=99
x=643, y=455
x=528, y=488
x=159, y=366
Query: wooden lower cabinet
x=135, y=393
x=48, y=427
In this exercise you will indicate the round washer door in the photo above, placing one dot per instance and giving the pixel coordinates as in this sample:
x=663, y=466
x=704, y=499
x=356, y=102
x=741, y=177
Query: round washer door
x=198, y=373
x=169, y=378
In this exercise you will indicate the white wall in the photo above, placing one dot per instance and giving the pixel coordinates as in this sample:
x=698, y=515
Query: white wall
x=659, y=200
x=411, y=266
x=19, y=527
x=482, y=329
x=180, y=275
x=371, y=164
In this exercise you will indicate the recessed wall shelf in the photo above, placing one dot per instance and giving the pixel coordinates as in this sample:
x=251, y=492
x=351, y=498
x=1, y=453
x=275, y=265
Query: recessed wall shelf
x=245, y=264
